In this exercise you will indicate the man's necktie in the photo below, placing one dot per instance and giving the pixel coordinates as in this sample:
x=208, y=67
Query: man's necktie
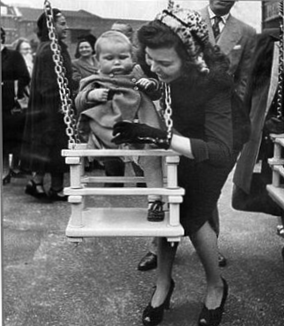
x=215, y=26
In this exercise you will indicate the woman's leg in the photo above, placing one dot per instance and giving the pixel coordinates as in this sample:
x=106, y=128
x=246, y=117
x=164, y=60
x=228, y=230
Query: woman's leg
x=38, y=178
x=205, y=243
x=166, y=255
x=57, y=180
x=55, y=192
x=153, y=173
x=114, y=167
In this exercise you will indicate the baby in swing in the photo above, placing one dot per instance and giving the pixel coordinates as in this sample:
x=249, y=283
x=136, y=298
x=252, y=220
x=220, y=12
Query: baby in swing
x=120, y=91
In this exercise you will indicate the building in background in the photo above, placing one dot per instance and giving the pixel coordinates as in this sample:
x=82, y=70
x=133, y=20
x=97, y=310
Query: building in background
x=21, y=22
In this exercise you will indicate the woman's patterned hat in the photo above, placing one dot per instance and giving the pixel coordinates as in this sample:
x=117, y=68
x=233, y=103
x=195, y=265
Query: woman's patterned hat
x=192, y=30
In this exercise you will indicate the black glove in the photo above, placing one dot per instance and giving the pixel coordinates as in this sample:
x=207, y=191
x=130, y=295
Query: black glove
x=130, y=132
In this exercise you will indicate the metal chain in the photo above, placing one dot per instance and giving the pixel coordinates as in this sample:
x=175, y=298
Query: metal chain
x=168, y=110
x=62, y=81
x=170, y=4
x=281, y=61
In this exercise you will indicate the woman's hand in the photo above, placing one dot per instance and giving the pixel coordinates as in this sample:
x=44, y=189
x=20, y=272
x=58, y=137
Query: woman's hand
x=129, y=132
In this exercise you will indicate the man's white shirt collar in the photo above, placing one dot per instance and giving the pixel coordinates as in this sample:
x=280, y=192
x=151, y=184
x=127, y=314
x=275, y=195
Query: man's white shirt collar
x=212, y=15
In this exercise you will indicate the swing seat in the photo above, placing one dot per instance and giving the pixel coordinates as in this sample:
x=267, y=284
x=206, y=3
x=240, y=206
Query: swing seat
x=276, y=189
x=88, y=222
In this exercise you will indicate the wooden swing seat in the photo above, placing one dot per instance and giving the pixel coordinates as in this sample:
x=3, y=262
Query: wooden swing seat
x=88, y=222
x=276, y=189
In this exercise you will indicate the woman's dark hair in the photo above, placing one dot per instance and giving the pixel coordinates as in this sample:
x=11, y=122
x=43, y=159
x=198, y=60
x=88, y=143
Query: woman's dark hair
x=156, y=35
x=42, y=30
x=90, y=38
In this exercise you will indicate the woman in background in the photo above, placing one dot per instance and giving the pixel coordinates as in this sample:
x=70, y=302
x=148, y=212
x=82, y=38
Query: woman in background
x=15, y=77
x=85, y=63
x=45, y=130
x=24, y=47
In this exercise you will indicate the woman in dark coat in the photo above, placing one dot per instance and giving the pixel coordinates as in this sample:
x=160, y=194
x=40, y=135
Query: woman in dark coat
x=197, y=82
x=45, y=136
x=13, y=70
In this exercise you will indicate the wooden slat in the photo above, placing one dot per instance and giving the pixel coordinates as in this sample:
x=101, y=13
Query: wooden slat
x=116, y=152
x=109, y=222
x=279, y=169
x=276, y=194
x=123, y=191
x=103, y=179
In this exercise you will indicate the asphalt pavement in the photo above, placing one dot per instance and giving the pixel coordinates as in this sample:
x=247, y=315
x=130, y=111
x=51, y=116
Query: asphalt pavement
x=48, y=281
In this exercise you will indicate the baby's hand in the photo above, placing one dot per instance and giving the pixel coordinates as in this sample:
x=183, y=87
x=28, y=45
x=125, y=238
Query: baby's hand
x=100, y=94
x=146, y=84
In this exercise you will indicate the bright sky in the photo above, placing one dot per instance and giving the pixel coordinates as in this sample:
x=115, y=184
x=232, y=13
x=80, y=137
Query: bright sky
x=249, y=11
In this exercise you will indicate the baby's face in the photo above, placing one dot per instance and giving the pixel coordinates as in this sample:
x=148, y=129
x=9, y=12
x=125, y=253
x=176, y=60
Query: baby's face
x=115, y=58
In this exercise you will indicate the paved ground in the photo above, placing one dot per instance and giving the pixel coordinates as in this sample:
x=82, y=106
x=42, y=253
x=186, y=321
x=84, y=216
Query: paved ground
x=49, y=281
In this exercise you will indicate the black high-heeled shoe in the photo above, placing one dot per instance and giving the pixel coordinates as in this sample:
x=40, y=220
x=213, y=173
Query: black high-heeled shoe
x=153, y=316
x=6, y=179
x=213, y=317
x=54, y=195
x=35, y=189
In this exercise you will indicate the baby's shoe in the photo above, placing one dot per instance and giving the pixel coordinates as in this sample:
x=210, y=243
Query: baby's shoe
x=155, y=211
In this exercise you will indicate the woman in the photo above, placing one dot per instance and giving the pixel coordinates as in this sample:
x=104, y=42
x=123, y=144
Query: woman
x=85, y=64
x=195, y=75
x=45, y=136
x=15, y=77
x=23, y=46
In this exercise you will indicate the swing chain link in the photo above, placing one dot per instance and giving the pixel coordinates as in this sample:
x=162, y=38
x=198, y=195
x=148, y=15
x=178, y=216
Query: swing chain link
x=168, y=111
x=281, y=62
x=170, y=4
x=62, y=81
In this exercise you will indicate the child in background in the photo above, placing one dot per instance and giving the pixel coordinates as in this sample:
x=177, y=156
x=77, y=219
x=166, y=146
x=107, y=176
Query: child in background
x=120, y=91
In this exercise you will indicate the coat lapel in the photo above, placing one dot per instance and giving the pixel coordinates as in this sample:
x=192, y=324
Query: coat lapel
x=230, y=35
x=205, y=15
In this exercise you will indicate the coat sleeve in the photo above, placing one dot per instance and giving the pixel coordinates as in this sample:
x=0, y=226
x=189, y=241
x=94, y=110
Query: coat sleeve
x=19, y=73
x=242, y=73
x=76, y=73
x=45, y=77
x=86, y=85
x=217, y=144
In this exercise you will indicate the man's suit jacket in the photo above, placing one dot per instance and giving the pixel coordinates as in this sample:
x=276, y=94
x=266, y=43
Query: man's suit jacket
x=237, y=42
x=262, y=89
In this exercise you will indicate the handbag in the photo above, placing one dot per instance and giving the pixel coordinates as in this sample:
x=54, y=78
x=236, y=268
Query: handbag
x=20, y=104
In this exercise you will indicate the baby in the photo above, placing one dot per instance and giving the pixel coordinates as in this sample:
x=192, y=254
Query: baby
x=120, y=91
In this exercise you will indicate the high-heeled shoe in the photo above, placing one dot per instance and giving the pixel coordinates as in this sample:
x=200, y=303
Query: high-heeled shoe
x=35, y=189
x=213, y=317
x=6, y=179
x=54, y=195
x=153, y=316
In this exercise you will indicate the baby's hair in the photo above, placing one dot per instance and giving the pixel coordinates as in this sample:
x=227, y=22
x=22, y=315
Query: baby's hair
x=113, y=37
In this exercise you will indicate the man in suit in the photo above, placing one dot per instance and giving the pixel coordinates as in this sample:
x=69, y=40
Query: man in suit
x=249, y=189
x=236, y=39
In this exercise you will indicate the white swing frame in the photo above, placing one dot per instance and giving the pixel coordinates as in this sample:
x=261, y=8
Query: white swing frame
x=86, y=222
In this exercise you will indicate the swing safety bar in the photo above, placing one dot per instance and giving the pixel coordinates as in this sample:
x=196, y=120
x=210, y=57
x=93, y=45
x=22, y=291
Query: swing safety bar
x=276, y=189
x=88, y=222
